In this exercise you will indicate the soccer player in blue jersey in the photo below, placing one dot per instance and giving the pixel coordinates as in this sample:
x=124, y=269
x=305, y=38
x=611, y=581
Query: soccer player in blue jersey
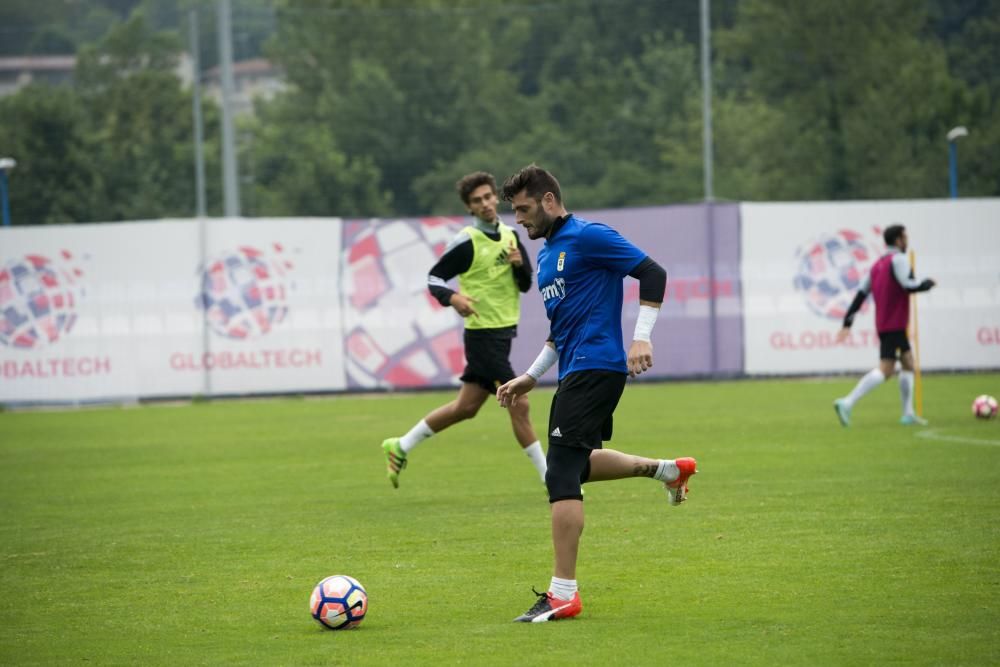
x=580, y=271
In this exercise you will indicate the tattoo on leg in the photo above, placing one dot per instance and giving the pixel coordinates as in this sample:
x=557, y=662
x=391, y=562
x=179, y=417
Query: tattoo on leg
x=644, y=469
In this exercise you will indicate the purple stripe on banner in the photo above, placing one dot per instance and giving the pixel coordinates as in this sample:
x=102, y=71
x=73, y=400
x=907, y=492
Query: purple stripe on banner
x=677, y=238
x=396, y=335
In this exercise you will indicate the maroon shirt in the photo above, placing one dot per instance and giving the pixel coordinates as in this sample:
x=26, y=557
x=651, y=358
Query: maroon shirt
x=892, y=302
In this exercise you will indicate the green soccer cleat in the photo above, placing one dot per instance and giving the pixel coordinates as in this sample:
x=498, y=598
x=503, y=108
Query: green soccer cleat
x=395, y=459
x=843, y=412
x=912, y=420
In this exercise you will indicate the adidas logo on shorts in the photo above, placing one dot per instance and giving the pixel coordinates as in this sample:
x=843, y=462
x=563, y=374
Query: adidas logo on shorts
x=557, y=433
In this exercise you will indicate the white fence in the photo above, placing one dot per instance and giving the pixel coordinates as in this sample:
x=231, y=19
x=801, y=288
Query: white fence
x=801, y=263
x=179, y=308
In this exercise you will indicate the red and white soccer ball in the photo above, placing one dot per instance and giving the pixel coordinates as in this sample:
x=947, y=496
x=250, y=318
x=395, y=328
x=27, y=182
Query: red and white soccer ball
x=339, y=602
x=984, y=407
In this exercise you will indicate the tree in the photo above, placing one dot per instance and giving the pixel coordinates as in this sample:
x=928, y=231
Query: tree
x=139, y=124
x=406, y=89
x=970, y=31
x=859, y=91
x=299, y=169
x=43, y=128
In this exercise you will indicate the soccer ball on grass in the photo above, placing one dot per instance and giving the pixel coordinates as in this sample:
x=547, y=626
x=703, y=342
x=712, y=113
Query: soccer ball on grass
x=984, y=407
x=339, y=602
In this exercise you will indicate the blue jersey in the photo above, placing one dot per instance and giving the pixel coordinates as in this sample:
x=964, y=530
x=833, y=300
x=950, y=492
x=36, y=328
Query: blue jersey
x=580, y=272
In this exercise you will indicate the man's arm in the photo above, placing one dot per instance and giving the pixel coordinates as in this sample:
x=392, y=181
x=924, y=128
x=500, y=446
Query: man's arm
x=652, y=286
x=863, y=290
x=652, y=281
x=521, y=269
x=457, y=259
x=904, y=275
x=853, y=309
x=508, y=392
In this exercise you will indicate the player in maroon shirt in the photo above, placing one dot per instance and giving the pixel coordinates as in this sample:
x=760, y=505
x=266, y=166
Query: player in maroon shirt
x=890, y=282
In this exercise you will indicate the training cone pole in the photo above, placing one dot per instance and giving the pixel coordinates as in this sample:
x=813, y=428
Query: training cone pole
x=918, y=387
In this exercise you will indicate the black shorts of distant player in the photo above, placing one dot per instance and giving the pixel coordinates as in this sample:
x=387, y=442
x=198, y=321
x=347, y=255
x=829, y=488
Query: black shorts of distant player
x=892, y=344
x=487, y=357
x=580, y=420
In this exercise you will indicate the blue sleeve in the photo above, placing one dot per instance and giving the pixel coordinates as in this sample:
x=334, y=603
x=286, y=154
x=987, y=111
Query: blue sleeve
x=604, y=248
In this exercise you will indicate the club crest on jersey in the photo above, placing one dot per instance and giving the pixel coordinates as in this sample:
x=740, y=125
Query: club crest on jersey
x=561, y=262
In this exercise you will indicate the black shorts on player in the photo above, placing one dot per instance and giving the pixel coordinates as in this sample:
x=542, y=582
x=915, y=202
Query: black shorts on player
x=580, y=419
x=892, y=344
x=487, y=357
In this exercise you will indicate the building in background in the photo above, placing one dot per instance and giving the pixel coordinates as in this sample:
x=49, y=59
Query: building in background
x=257, y=78
x=57, y=70
x=253, y=79
x=19, y=71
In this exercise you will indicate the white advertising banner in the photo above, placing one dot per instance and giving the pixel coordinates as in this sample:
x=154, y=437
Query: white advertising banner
x=802, y=264
x=113, y=311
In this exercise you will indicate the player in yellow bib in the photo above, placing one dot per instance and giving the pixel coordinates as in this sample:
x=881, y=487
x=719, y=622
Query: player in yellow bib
x=493, y=269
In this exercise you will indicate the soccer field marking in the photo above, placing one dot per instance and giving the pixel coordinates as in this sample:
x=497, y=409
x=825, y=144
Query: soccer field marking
x=934, y=435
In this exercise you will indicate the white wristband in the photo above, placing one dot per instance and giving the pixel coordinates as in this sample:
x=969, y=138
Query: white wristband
x=543, y=362
x=644, y=323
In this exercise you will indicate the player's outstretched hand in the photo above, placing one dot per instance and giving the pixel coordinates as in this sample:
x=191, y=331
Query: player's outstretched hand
x=843, y=334
x=507, y=393
x=640, y=357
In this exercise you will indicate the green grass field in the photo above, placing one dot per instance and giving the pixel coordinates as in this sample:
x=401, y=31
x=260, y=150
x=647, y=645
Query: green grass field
x=176, y=535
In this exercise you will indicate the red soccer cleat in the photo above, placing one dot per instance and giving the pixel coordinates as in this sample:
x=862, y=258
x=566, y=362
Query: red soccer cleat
x=550, y=608
x=677, y=490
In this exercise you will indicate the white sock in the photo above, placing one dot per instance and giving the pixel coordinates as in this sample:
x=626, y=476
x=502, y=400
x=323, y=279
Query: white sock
x=667, y=471
x=416, y=435
x=872, y=379
x=906, y=391
x=537, y=456
x=564, y=589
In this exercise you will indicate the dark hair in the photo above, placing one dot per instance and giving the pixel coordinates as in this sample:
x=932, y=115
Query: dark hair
x=534, y=180
x=892, y=234
x=470, y=182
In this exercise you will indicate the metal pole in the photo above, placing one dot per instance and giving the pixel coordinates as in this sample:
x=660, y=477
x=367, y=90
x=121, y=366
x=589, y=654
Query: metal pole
x=914, y=326
x=229, y=181
x=706, y=105
x=3, y=196
x=953, y=168
x=199, y=171
x=199, y=153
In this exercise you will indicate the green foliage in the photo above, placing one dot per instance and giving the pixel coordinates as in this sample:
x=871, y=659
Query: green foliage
x=400, y=91
x=298, y=166
x=53, y=182
x=118, y=145
x=46, y=27
x=854, y=90
x=389, y=102
x=174, y=535
x=140, y=123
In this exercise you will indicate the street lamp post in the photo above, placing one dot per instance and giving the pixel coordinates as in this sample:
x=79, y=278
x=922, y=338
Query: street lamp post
x=954, y=134
x=6, y=164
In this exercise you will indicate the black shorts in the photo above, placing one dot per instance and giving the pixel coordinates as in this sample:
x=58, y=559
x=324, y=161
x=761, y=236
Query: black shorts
x=487, y=358
x=892, y=344
x=567, y=468
x=582, y=408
